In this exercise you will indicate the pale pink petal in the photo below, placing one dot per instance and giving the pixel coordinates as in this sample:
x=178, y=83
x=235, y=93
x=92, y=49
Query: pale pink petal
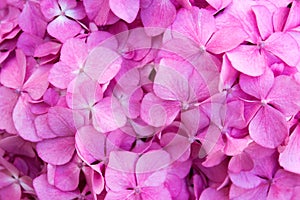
x=8, y=100
x=24, y=120
x=284, y=46
x=124, y=194
x=247, y=59
x=258, y=87
x=196, y=24
x=42, y=128
x=262, y=129
x=102, y=64
x=158, y=16
x=5, y=180
x=157, y=112
x=13, y=72
x=108, y=115
x=74, y=53
x=219, y=4
x=57, y=151
x=63, y=28
x=289, y=158
x=46, y=191
x=286, y=100
x=126, y=10
x=76, y=13
x=223, y=40
x=62, y=74
x=264, y=20
x=228, y=74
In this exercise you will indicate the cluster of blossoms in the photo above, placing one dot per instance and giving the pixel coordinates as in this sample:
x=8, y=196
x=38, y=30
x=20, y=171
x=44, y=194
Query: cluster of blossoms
x=150, y=99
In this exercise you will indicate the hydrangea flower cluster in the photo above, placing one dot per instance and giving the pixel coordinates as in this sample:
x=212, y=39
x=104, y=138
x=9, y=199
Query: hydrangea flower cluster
x=150, y=99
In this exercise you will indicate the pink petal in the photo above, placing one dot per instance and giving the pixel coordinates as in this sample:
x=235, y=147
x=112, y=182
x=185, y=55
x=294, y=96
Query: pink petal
x=45, y=191
x=258, y=87
x=5, y=180
x=83, y=93
x=42, y=128
x=124, y=194
x=74, y=53
x=279, y=18
x=219, y=4
x=8, y=100
x=157, y=112
x=13, y=72
x=16, y=145
x=47, y=48
x=24, y=120
x=150, y=168
x=264, y=20
x=289, y=158
x=62, y=121
x=119, y=173
x=37, y=83
x=284, y=46
x=91, y=144
x=278, y=96
x=223, y=40
x=10, y=192
x=62, y=74
x=108, y=115
x=31, y=19
x=76, y=13
x=262, y=129
x=150, y=193
x=28, y=43
x=126, y=10
x=57, y=151
x=211, y=193
x=293, y=18
x=66, y=177
x=195, y=24
x=50, y=8
x=158, y=16
x=247, y=59
x=260, y=192
x=63, y=28
x=102, y=64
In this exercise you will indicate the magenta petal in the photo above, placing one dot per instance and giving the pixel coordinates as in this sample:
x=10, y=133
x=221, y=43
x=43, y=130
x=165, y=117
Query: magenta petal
x=46, y=191
x=284, y=46
x=157, y=112
x=50, y=8
x=278, y=96
x=8, y=100
x=293, y=18
x=108, y=115
x=211, y=193
x=126, y=10
x=158, y=16
x=247, y=59
x=5, y=180
x=259, y=192
x=57, y=151
x=263, y=131
x=13, y=72
x=63, y=28
x=289, y=159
